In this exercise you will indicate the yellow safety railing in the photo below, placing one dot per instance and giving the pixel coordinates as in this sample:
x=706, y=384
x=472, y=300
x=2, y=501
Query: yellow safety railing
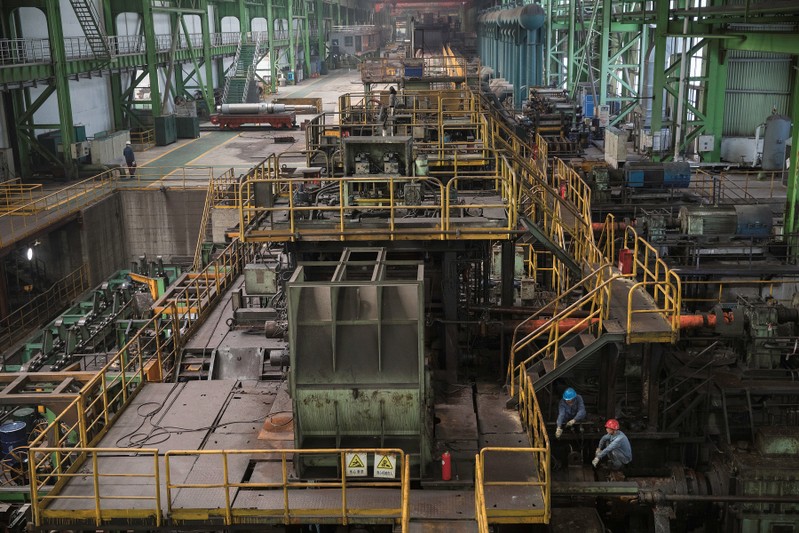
x=155, y=177
x=221, y=193
x=23, y=221
x=532, y=479
x=126, y=502
x=543, y=262
x=14, y=193
x=655, y=277
x=150, y=354
x=547, y=335
x=343, y=506
x=721, y=291
x=143, y=139
x=607, y=237
x=381, y=198
x=41, y=308
x=738, y=186
x=480, y=512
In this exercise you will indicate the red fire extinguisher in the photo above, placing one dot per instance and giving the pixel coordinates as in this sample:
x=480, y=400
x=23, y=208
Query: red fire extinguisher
x=446, y=466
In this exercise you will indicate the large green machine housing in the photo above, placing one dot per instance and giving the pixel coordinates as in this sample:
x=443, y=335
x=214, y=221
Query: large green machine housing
x=358, y=373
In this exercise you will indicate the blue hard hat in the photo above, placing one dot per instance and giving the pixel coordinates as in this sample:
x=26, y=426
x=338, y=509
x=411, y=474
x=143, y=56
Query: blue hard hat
x=569, y=394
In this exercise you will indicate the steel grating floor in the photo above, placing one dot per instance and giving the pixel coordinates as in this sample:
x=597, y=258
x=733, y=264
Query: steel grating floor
x=228, y=414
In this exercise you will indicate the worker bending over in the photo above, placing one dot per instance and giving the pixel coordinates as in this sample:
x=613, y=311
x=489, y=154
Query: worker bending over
x=615, y=446
x=571, y=410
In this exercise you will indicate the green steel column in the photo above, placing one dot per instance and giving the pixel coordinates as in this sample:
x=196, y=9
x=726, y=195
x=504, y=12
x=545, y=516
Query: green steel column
x=59, y=59
x=208, y=86
x=571, y=59
x=272, y=51
x=320, y=34
x=152, y=62
x=18, y=102
x=306, y=40
x=659, y=78
x=115, y=78
x=292, y=59
x=338, y=12
x=193, y=52
x=714, y=97
x=550, y=29
x=244, y=19
x=604, y=68
x=792, y=202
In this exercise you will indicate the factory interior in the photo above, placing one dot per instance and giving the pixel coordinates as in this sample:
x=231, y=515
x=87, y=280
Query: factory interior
x=355, y=266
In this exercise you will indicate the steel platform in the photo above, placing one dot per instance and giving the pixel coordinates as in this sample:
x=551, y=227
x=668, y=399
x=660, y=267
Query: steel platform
x=231, y=415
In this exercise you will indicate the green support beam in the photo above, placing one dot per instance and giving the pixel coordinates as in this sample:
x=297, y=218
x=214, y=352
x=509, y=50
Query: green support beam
x=792, y=201
x=56, y=34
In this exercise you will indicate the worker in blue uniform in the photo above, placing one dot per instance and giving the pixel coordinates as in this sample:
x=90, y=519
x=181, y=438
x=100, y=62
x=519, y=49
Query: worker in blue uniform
x=570, y=410
x=130, y=159
x=615, y=446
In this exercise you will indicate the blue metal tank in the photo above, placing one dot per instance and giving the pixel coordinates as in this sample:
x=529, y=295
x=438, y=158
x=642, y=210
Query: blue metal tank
x=778, y=131
x=13, y=435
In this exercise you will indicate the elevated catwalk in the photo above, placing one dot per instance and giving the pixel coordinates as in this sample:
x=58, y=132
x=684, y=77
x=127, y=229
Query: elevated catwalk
x=255, y=417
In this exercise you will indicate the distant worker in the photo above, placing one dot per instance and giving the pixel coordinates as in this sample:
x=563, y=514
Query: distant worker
x=570, y=410
x=392, y=100
x=130, y=159
x=615, y=446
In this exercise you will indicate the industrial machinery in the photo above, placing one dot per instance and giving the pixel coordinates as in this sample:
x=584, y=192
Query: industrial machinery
x=84, y=335
x=233, y=116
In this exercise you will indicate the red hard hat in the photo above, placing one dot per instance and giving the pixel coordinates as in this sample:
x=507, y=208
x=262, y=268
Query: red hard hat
x=612, y=424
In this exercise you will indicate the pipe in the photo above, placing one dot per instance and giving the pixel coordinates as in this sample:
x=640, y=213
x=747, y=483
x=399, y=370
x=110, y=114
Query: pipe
x=618, y=226
x=702, y=320
x=574, y=325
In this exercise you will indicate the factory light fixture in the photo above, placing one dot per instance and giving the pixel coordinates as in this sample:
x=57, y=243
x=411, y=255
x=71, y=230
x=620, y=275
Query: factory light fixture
x=29, y=253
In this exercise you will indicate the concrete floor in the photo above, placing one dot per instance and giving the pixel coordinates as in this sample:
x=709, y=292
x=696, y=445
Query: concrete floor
x=243, y=149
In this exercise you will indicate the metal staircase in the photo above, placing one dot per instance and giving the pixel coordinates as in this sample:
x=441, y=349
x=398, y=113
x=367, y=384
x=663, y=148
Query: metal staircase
x=92, y=27
x=242, y=71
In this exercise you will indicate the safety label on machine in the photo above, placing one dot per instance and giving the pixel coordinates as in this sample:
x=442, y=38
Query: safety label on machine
x=356, y=464
x=385, y=466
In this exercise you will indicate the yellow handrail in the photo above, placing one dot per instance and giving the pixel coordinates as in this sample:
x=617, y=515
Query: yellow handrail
x=285, y=513
x=21, y=320
x=655, y=276
x=102, y=514
x=598, y=300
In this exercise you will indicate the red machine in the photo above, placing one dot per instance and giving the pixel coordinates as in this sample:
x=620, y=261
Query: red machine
x=233, y=116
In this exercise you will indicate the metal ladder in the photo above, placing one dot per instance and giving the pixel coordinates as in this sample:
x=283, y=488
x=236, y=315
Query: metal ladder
x=93, y=28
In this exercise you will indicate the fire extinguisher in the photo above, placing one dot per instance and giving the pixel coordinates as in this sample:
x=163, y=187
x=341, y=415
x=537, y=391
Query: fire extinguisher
x=446, y=466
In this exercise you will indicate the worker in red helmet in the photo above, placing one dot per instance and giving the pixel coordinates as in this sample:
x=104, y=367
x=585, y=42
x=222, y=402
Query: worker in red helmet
x=615, y=446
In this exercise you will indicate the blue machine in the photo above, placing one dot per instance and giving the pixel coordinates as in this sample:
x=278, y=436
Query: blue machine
x=657, y=175
x=12, y=435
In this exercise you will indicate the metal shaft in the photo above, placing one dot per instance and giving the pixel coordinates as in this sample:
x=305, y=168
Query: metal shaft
x=264, y=109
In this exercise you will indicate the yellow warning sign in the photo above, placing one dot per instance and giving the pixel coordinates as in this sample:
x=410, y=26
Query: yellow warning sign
x=385, y=466
x=356, y=464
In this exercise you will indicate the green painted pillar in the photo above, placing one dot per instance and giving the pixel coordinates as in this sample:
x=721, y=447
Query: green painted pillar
x=571, y=74
x=59, y=60
x=115, y=79
x=714, y=97
x=320, y=33
x=338, y=12
x=18, y=98
x=605, y=51
x=270, y=15
x=244, y=18
x=792, y=202
x=292, y=51
x=307, y=43
x=659, y=78
x=152, y=63
x=208, y=86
